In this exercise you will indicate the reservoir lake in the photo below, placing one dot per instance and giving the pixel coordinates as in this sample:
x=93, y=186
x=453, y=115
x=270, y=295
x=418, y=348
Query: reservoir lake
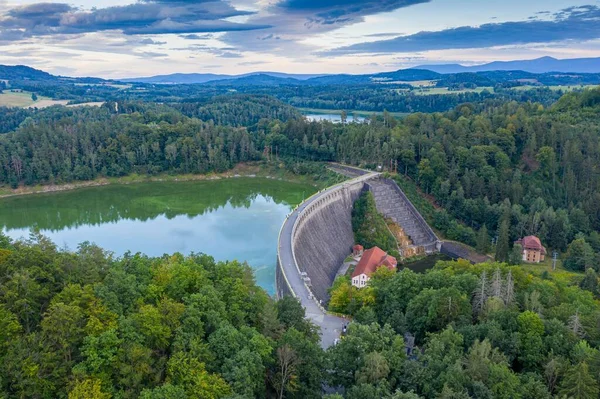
x=229, y=219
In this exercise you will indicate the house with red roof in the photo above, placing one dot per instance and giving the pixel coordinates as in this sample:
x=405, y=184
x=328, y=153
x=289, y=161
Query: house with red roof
x=371, y=260
x=533, y=250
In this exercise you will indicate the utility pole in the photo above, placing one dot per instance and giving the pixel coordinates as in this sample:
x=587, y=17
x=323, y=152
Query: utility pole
x=554, y=258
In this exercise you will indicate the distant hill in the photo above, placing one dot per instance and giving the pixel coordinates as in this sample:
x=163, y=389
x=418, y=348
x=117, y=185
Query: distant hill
x=22, y=72
x=408, y=75
x=256, y=80
x=538, y=65
x=192, y=78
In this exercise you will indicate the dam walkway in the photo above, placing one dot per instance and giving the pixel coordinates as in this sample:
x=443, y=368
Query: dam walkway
x=297, y=280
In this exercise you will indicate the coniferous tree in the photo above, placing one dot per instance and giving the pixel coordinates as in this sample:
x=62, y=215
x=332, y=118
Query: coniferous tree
x=483, y=240
x=502, y=246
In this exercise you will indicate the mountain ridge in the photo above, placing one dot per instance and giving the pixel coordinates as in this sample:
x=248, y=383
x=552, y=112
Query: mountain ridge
x=537, y=65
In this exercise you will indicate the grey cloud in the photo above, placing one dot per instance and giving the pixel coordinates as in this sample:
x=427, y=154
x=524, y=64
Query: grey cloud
x=292, y=20
x=384, y=34
x=250, y=63
x=151, y=54
x=575, y=23
x=150, y=41
x=147, y=17
x=194, y=36
x=332, y=11
x=229, y=54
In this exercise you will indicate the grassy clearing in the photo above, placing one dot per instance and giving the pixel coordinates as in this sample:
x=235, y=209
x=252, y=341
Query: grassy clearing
x=23, y=100
x=561, y=274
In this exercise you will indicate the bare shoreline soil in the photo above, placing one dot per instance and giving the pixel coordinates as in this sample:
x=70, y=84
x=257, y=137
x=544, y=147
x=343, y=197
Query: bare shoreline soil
x=241, y=170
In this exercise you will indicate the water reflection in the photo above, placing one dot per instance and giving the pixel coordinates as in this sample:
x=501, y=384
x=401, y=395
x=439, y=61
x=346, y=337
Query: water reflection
x=227, y=219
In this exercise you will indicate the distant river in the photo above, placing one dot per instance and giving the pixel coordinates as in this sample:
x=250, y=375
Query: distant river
x=228, y=219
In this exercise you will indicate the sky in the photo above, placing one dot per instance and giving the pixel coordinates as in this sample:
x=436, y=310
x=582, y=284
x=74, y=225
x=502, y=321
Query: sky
x=125, y=38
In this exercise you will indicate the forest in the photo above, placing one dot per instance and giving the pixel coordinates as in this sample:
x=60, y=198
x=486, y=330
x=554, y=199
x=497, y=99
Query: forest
x=491, y=170
x=468, y=331
x=84, y=325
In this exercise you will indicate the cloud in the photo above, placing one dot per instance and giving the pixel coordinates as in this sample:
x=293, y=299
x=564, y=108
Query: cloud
x=292, y=21
x=152, y=54
x=331, y=11
x=146, y=17
x=574, y=23
x=250, y=63
x=229, y=54
x=194, y=36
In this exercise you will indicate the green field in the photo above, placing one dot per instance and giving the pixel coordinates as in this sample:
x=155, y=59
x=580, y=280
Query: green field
x=23, y=100
x=427, y=91
x=556, y=88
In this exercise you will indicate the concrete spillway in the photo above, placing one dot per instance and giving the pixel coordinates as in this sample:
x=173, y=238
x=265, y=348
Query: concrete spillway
x=393, y=203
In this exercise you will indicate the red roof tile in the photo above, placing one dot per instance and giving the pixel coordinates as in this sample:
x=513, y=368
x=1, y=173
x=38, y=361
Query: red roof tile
x=372, y=259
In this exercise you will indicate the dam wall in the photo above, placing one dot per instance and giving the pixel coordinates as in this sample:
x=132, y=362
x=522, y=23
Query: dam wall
x=313, y=242
x=317, y=236
x=323, y=237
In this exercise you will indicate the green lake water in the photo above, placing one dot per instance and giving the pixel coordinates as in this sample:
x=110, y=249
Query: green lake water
x=228, y=219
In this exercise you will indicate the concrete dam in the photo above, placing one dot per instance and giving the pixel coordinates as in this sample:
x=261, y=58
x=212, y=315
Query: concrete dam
x=317, y=236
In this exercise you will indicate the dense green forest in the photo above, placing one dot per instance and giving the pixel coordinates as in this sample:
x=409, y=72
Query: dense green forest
x=85, y=325
x=464, y=331
x=504, y=169
x=531, y=168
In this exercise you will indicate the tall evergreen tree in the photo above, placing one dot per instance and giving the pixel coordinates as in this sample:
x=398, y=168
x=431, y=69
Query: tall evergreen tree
x=578, y=383
x=483, y=240
x=502, y=246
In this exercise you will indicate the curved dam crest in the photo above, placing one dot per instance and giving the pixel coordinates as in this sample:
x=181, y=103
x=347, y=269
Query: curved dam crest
x=316, y=238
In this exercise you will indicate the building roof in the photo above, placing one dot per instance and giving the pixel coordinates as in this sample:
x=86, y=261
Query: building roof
x=358, y=247
x=372, y=259
x=531, y=243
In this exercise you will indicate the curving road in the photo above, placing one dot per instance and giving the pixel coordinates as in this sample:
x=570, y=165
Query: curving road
x=331, y=326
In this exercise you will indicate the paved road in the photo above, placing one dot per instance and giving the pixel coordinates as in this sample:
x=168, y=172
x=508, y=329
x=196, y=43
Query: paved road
x=331, y=326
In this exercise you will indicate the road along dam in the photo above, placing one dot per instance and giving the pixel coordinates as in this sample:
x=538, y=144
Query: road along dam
x=317, y=236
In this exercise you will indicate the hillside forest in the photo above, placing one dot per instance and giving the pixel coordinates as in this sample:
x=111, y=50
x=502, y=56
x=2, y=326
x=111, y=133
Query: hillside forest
x=85, y=324
x=493, y=171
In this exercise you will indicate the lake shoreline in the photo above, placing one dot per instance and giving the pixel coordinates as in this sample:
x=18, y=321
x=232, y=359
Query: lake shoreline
x=241, y=170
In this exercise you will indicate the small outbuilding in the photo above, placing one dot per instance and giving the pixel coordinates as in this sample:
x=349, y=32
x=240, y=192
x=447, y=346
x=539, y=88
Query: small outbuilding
x=371, y=260
x=358, y=250
x=533, y=250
